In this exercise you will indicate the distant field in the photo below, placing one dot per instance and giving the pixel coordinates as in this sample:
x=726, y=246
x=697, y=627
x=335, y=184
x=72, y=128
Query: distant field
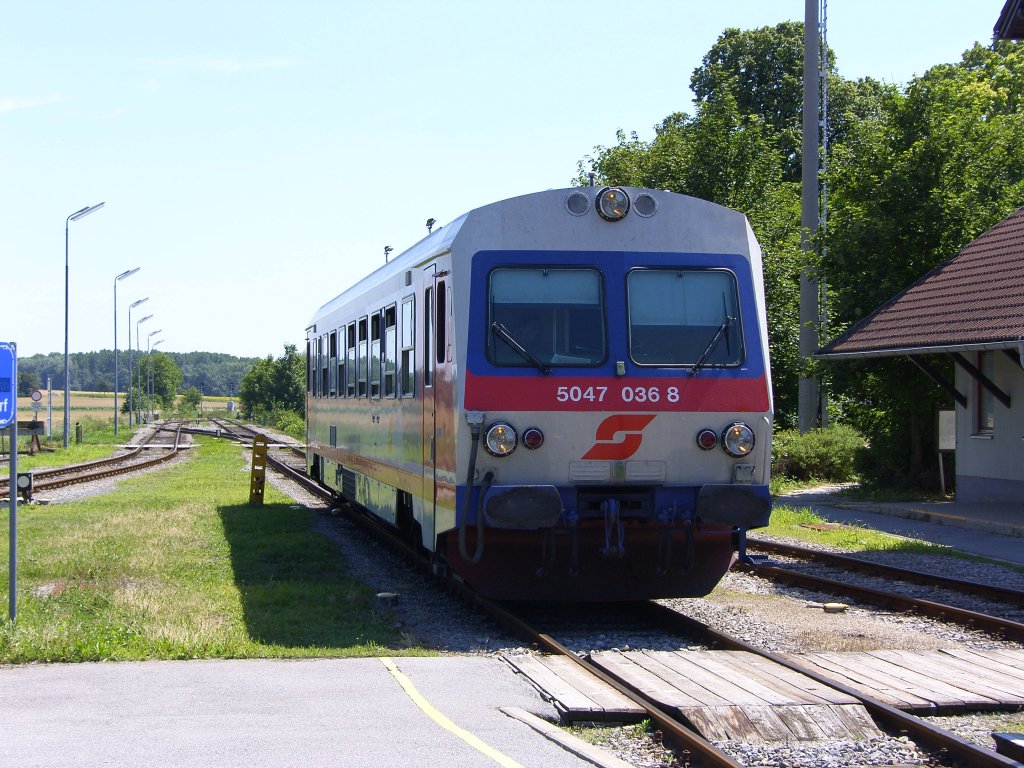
x=90, y=405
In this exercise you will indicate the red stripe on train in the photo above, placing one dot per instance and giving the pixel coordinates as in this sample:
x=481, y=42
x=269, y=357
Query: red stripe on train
x=596, y=393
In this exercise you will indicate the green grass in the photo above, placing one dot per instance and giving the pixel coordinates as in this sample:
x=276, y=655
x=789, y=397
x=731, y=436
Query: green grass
x=177, y=564
x=792, y=522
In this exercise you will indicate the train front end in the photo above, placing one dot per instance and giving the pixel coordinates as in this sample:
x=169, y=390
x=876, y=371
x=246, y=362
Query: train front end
x=616, y=408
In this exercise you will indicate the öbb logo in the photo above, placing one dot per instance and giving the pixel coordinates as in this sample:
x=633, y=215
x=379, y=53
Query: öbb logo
x=629, y=429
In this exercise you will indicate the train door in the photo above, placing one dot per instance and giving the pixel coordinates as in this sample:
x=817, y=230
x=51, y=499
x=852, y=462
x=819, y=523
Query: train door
x=429, y=405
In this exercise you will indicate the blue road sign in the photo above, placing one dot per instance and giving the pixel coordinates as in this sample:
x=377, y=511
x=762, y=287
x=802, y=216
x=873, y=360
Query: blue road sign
x=8, y=381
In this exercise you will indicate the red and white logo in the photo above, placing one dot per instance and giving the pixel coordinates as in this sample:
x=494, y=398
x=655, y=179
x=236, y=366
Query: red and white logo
x=619, y=436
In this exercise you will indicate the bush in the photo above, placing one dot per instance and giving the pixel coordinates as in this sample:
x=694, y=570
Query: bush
x=819, y=454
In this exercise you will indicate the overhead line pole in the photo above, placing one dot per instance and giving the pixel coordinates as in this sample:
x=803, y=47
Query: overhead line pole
x=810, y=401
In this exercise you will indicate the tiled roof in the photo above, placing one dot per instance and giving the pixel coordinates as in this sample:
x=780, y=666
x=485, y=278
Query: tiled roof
x=974, y=298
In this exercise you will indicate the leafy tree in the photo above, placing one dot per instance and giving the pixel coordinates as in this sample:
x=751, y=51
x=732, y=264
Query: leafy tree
x=190, y=400
x=27, y=381
x=274, y=385
x=941, y=163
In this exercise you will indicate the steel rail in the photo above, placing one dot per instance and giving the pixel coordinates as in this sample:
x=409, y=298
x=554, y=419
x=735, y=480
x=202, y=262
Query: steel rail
x=895, y=719
x=1007, y=628
x=80, y=473
x=850, y=562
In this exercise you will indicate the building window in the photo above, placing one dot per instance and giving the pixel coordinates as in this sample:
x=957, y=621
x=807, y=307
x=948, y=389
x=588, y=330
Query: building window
x=985, y=400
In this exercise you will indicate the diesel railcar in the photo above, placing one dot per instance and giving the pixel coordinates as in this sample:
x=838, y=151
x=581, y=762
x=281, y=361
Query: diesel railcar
x=564, y=395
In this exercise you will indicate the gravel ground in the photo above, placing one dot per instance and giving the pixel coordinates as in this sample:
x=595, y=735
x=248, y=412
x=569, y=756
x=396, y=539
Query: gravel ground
x=780, y=619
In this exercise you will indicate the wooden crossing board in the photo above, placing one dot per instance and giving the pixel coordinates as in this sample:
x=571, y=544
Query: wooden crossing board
x=942, y=682
x=576, y=694
x=738, y=696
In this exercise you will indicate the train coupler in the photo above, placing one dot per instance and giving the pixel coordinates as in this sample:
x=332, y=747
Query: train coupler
x=613, y=528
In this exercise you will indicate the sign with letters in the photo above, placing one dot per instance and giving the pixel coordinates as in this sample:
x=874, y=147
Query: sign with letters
x=8, y=384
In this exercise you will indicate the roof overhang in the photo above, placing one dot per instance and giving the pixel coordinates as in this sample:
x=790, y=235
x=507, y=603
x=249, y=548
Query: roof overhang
x=1010, y=25
x=1012, y=344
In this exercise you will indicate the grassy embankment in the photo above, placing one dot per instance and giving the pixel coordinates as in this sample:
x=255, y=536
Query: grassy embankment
x=177, y=564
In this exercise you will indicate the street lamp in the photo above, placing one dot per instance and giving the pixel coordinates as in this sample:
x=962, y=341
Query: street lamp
x=67, y=360
x=152, y=383
x=138, y=353
x=131, y=395
x=117, y=279
x=149, y=369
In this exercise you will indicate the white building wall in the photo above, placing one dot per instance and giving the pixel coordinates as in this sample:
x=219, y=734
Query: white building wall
x=990, y=467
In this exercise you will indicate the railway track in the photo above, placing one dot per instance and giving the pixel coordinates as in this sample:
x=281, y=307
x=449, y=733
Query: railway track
x=72, y=474
x=676, y=732
x=1002, y=622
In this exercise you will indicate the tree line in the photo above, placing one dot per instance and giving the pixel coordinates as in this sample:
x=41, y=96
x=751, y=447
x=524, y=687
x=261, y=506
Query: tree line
x=211, y=373
x=914, y=173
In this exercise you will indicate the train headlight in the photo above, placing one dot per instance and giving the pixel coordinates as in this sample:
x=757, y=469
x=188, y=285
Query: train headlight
x=612, y=203
x=738, y=440
x=500, y=439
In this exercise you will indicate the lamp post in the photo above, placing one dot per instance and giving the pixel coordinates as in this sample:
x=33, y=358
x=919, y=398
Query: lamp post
x=138, y=353
x=152, y=385
x=131, y=394
x=149, y=369
x=117, y=279
x=67, y=360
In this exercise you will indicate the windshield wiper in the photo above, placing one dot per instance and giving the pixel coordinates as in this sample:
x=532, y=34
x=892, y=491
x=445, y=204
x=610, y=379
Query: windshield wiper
x=711, y=345
x=502, y=333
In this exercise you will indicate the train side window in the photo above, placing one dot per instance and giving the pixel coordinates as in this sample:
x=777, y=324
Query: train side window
x=323, y=365
x=441, y=336
x=363, y=352
x=428, y=358
x=339, y=371
x=375, y=354
x=350, y=360
x=408, y=341
x=334, y=363
x=390, y=352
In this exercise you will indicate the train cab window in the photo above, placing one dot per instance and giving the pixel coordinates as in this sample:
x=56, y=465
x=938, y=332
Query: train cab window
x=334, y=363
x=361, y=389
x=546, y=316
x=428, y=358
x=375, y=354
x=390, y=351
x=350, y=360
x=684, y=317
x=408, y=371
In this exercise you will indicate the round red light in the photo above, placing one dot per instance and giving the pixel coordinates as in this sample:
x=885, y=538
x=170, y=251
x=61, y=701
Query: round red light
x=707, y=439
x=533, y=438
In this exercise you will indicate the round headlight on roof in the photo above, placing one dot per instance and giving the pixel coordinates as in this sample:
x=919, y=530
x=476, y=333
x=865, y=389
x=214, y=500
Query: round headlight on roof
x=612, y=203
x=500, y=439
x=738, y=440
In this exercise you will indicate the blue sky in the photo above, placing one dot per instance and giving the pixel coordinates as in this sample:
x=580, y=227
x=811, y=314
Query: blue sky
x=255, y=158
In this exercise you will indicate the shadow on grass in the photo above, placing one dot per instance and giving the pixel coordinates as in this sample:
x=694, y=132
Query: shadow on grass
x=293, y=582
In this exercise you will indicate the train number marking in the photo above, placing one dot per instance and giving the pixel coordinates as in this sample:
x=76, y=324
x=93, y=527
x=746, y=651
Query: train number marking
x=630, y=426
x=579, y=394
x=648, y=394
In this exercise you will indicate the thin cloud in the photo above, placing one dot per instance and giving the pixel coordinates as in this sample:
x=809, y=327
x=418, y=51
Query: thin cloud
x=13, y=104
x=232, y=65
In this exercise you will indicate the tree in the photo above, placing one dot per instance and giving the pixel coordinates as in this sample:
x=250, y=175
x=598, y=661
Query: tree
x=942, y=162
x=271, y=385
x=27, y=381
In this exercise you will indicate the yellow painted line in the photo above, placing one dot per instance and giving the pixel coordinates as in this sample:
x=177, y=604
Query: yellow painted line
x=443, y=721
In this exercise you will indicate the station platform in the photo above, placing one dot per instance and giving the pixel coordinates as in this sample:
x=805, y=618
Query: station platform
x=458, y=712
x=992, y=529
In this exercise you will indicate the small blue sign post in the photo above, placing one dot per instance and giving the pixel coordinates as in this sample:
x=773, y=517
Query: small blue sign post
x=9, y=418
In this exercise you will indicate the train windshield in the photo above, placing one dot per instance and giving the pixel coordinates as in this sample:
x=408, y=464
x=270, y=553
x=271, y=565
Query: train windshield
x=684, y=317
x=544, y=317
